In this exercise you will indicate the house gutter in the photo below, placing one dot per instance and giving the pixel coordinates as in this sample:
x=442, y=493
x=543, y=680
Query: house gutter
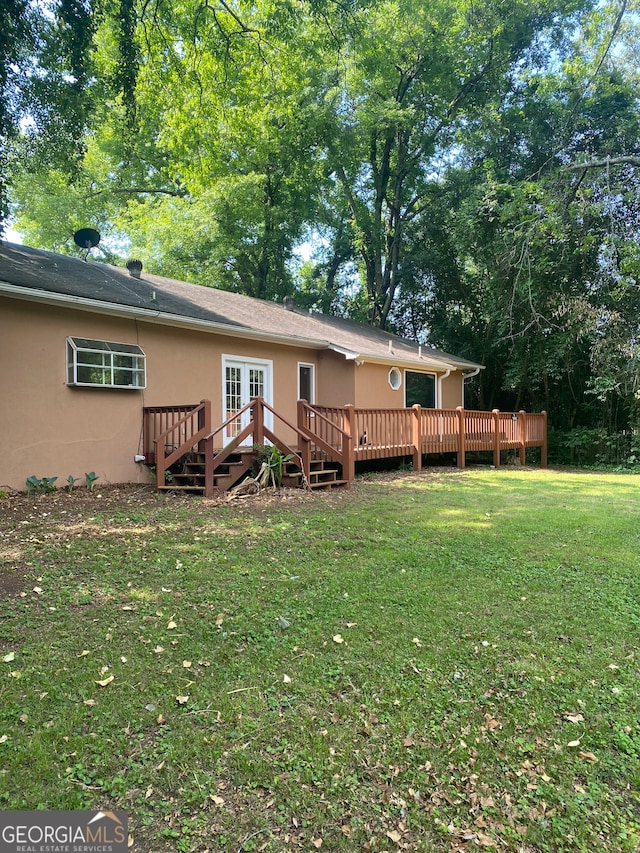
x=160, y=317
x=396, y=359
x=440, y=381
x=472, y=374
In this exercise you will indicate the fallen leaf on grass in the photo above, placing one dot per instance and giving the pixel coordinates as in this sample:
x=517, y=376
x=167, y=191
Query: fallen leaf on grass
x=89, y=702
x=417, y=642
x=37, y=590
x=182, y=700
x=337, y=638
x=105, y=681
x=574, y=718
x=158, y=650
x=171, y=625
x=486, y=840
x=130, y=841
x=8, y=658
x=286, y=678
x=587, y=756
x=186, y=664
x=317, y=843
x=4, y=738
x=395, y=836
x=218, y=801
x=84, y=653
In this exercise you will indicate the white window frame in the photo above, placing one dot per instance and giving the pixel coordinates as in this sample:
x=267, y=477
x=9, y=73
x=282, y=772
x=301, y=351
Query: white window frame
x=312, y=382
x=395, y=386
x=110, y=352
x=436, y=385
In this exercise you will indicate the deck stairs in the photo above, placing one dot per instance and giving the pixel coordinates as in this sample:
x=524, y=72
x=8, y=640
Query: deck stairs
x=323, y=474
x=188, y=474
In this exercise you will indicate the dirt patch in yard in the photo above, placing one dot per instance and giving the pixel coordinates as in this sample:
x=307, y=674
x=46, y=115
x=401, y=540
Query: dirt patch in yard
x=31, y=522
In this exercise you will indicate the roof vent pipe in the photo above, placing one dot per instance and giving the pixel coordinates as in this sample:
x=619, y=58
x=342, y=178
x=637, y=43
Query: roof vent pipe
x=288, y=303
x=134, y=267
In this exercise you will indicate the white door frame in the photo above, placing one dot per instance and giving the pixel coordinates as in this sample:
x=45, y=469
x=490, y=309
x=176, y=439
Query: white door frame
x=244, y=366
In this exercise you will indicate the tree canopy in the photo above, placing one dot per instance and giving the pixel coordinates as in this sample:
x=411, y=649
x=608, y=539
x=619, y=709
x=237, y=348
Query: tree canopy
x=466, y=174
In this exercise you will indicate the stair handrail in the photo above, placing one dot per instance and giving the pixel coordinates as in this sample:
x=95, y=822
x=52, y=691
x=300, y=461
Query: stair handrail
x=260, y=432
x=163, y=461
x=345, y=454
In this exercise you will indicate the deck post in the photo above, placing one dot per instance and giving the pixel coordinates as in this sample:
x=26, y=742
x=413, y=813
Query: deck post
x=496, y=437
x=522, y=423
x=416, y=433
x=461, y=437
x=208, y=467
x=160, y=466
x=300, y=413
x=543, y=449
x=305, y=456
x=257, y=416
x=348, y=451
x=204, y=420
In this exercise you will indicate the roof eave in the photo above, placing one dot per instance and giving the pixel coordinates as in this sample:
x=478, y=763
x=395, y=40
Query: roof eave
x=162, y=318
x=395, y=360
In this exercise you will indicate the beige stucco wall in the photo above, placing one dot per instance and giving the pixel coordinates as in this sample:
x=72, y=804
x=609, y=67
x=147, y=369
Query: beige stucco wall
x=372, y=388
x=335, y=381
x=51, y=429
x=47, y=428
x=452, y=391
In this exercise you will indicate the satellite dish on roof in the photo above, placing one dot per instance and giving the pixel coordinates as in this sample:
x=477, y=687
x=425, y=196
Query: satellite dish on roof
x=86, y=238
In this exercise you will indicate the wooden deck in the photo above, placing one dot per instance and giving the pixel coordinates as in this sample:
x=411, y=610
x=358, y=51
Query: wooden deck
x=339, y=436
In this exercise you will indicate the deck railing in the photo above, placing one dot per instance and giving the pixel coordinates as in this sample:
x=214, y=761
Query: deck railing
x=416, y=432
x=174, y=426
x=345, y=434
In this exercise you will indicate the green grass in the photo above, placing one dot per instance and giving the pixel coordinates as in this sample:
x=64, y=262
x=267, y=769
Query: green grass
x=488, y=619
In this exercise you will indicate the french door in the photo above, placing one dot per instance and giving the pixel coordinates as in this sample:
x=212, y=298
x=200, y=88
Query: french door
x=242, y=381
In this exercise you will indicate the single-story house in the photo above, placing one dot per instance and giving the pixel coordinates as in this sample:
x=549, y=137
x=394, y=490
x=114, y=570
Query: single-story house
x=86, y=347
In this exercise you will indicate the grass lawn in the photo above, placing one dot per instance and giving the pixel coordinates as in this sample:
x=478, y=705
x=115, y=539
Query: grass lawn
x=427, y=662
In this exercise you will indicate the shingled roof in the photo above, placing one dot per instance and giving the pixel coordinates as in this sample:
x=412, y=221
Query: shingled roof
x=48, y=277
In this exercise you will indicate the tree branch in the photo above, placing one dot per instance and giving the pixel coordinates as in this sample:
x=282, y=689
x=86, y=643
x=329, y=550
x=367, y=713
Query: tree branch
x=139, y=191
x=622, y=160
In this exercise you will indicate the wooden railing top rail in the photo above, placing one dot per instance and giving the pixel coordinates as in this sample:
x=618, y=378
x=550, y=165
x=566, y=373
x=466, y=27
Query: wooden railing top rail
x=317, y=413
x=154, y=410
x=337, y=445
x=183, y=420
x=230, y=420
